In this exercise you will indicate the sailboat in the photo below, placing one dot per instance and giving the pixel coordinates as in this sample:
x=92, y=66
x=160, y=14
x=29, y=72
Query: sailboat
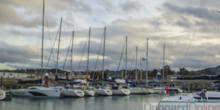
x=81, y=87
x=40, y=91
x=120, y=85
x=88, y=90
x=161, y=88
x=70, y=92
x=148, y=89
x=202, y=100
x=134, y=89
x=119, y=88
x=2, y=94
x=85, y=87
x=103, y=90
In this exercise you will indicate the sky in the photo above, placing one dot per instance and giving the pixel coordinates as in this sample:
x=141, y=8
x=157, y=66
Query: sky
x=188, y=28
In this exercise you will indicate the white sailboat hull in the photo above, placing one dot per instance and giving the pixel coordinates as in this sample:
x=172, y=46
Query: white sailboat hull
x=2, y=95
x=72, y=93
x=90, y=93
x=149, y=90
x=38, y=92
x=189, y=102
x=103, y=92
x=138, y=90
x=21, y=92
x=121, y=92
x=159, y=90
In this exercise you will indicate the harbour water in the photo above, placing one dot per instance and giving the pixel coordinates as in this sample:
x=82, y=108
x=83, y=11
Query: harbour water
x=132, y=102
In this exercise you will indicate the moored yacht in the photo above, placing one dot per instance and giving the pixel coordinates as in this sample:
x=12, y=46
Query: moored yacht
x=2, y=94
x=70, y=90
x=138, y=90
x=41, y=91
x=72, y=93
x=81, y=89
x=103, y=90
x=119, y=88
x=200, y=101
x=38, y=92
x=88, y=90
x=161, y=89
x=135, y=89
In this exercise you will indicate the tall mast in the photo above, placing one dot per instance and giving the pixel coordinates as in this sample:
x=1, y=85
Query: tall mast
x=147, y=63
x=136, y=64
x=71, y=63
x=59, y=45
x=126, y=56
x=88, y=53
x=42, y=46
x=140, y=71
x=163, y=61
x=103, y=63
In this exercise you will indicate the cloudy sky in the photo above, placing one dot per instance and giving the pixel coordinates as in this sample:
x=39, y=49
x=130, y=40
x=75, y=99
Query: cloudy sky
x=188, y=28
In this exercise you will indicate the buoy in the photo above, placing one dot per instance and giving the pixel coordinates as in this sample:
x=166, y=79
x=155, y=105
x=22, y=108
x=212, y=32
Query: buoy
x=166, y=89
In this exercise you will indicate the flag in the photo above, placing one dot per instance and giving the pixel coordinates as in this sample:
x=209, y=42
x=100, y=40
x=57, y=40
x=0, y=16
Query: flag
x=158, y=73
x=158, y=69
x=157, y=78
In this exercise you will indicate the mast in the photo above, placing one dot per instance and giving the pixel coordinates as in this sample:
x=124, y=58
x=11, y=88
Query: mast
x=140, y=71
x=136, y=64
x=42, y=43
x=126, y=56
x=88, y=53
x=59, y=45
x=147, y=63
x=103, y=62
x=71, y=63
x=163, y=61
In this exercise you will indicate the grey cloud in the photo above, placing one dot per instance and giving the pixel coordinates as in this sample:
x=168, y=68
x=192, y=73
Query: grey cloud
x=183, y=24
x=75, y=5
x=9, y=16
x=71, y=5
x=199, y=12
x=31, y=7
x=160, y=30
x=131, y=6
x=10, y=53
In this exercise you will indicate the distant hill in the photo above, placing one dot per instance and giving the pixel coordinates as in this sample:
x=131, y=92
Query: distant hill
x=208, y=71
x=216, y=69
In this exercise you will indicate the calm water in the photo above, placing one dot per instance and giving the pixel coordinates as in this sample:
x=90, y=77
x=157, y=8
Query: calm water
x=132, y=102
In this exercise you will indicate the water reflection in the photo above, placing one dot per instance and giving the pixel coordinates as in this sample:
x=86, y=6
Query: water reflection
x=132, y=102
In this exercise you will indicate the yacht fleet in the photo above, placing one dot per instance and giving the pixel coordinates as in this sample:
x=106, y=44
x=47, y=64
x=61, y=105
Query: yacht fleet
x=118, y=87
x=79, y=88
